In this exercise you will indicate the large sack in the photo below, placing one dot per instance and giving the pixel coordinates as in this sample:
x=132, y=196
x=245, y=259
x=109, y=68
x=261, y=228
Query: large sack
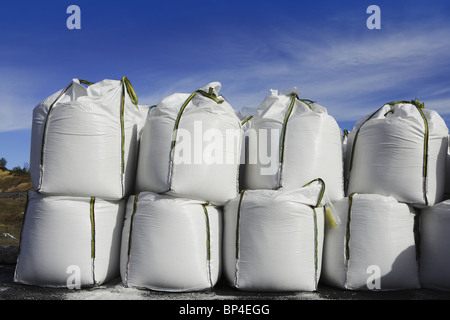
x=85, y=140
x=170, y=244
x=69, y=241
x=273, y=239
x=293, y=141
x=190, y=147
x=434, y=246
x=373, y=246
x=400, y=151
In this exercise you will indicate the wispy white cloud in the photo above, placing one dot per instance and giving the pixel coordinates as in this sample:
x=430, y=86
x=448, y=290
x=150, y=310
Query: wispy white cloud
x=17, y=100
x=350, y=74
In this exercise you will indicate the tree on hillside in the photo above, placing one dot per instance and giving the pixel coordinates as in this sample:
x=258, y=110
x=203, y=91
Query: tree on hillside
x=3, y=162
x=21, y=171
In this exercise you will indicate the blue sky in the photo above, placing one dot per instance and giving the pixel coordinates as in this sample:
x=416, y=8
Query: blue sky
x=323, y=47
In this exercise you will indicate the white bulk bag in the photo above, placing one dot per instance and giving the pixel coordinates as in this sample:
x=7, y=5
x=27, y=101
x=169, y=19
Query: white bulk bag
x=373, y=248
x=85, y=140
x=190, y=147
x=293, y=141
x=69, y=241
x=273, y=239
x=434, y=246
x=170, y=244
x=400, y=150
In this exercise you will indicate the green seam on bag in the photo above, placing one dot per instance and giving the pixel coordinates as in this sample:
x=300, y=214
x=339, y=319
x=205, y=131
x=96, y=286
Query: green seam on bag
x=238, y=223
x=322, y=190
x=180, y=112
x=286, y=119
x=208, y=233
x=349, y=219
x=92, y=217
x=356, y=138
x=316, y=246
x=136, y=197
x=246, y=120
x=88, y=83
x=130, y=90
x=419, y=106
x=306, y=101
x=44, y=134
x=425, y=143
x=283, y=132
x=126, y=87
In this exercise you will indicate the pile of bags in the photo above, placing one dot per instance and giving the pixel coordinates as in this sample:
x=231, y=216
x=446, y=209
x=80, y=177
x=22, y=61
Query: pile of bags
x=188, y=169
x=83, y=165
x=395, y=169
x=274, y=230
x=175, y=196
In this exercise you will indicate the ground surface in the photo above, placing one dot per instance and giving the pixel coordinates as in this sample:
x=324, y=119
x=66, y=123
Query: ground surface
x=114, y=290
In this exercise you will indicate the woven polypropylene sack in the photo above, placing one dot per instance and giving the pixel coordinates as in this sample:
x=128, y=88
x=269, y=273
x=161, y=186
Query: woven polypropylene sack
x=171, y=244
x=273, y=240
x=69, y=241
x=85, y=140
x=400, y=151
x=293, y=141
x=373, y=247
x=191, y=146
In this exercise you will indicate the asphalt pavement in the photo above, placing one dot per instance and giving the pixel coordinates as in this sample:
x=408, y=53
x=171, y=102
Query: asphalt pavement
x=114, y=290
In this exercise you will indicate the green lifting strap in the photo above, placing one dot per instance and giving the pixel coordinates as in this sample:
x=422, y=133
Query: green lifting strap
x=349, y=219
x=88, y=83
x=238, y=222
x=63, y=91
x=92, y=217
x=128, y=88
x=419, y=106
x=294, y=97
x=136, y=198
x=209, y=95
x=208, y=232
x=322, y=191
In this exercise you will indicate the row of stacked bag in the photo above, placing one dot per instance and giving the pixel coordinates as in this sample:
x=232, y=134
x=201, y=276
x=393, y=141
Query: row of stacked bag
x=175, y=196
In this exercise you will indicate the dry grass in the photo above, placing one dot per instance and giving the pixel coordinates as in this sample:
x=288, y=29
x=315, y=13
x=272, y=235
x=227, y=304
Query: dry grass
x=13, y=182
x=11, y=218
x=12, y=207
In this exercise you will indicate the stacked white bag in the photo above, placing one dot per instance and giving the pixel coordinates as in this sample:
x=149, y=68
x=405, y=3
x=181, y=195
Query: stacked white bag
x=291, y=142
x=69, y=241
x=273, y=239
x=373, y=245
x=191, y=147
x=434, y=246
x=401, y=151
x=83, y=163
x=188, y=167
x=84, y=140
x=171, y=244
